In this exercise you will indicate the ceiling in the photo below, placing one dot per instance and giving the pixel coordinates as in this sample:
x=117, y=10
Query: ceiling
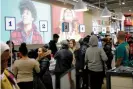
x=114, y=5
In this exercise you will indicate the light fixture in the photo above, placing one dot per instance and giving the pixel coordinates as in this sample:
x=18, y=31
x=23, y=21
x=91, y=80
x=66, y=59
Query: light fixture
x=123, y=3
x=130, y=10
x=120, y=16
x=80, y=6
x=106, y=13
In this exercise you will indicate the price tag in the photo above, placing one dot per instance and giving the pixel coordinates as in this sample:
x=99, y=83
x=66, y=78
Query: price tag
x=43, y=25
x=65, y=27
x=103, y=29
x=81, y=28
x=10, y=23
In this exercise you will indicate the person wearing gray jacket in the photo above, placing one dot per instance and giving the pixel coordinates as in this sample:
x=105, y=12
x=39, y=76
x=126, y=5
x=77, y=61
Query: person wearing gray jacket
x=95, y=57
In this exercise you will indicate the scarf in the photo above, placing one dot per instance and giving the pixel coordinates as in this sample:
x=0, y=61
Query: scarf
x=10, y=76
x=11, y=79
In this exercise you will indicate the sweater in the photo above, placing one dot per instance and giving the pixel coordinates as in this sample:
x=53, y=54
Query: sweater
x=23, y=69
x=94, y=57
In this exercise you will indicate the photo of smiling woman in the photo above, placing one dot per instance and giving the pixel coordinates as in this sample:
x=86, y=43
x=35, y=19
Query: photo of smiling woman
x=26, y=29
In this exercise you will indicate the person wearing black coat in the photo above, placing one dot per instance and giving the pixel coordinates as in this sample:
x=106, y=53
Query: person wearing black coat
x=63, y=59
x=108, y=50
x=43, y=58
x=52, y=44
x=81, y=74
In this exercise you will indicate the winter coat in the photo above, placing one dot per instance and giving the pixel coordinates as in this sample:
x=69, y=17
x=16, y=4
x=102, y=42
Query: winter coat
x=44, y=73
x=79, y=56
x=95, y=56
x=53, y=47
x=8, y=80
x=108, y=50
x=63, y=59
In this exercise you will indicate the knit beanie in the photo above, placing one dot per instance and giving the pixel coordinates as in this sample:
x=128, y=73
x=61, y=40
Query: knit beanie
x=3, y=47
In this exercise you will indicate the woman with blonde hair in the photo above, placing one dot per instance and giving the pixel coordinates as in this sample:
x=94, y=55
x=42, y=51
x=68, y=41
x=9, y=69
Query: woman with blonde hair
x=44, y=61
x=72, y=48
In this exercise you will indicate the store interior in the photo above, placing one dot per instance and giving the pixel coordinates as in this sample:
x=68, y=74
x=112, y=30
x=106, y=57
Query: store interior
x=97, y=16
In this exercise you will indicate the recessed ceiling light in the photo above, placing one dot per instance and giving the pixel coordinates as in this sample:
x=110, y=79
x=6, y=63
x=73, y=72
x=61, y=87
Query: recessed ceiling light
x=123, y=3
x=130, y=10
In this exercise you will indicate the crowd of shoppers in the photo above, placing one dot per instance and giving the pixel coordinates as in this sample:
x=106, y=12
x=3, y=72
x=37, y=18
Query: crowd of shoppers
x=89, y=59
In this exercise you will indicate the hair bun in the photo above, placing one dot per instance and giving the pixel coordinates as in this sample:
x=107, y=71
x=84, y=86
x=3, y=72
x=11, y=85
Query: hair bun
x=23, y=45
x=23, y=49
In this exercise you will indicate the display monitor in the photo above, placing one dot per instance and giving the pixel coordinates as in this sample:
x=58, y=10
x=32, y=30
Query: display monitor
x=28, y=14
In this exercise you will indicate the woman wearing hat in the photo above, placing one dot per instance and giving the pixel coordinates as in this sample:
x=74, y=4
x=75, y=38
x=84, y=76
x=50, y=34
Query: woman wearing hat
x=6, y=77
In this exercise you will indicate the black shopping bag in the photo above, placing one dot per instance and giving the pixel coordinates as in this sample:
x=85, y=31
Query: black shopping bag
x=37, y=83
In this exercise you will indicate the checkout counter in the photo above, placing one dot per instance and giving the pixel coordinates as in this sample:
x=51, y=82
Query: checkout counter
x=120, y=78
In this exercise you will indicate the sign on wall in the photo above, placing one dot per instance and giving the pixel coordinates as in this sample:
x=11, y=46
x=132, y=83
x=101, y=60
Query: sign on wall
x=95, y=30
x=81, y=28
x=103, y=29
x=43, y=25
x=65, y=27
x=10, y=23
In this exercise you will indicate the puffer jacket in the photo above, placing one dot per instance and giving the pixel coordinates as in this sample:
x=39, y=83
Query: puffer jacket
x=44, y=72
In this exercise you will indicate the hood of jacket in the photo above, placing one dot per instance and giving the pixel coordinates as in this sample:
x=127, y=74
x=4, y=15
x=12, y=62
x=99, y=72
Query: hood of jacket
x=93, y=41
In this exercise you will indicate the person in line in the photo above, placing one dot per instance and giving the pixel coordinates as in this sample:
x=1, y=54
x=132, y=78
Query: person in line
x=52, y=44
x=24, y=67
x=122, y=51
x=26, y=29
x=80, y=62
x=43, y=59
x=72, y=48
x=63, y=59
x=83, y=48
x=94, y=57
x=11, y=45
x=108, y=50
x=130, y=42
x=6, y=77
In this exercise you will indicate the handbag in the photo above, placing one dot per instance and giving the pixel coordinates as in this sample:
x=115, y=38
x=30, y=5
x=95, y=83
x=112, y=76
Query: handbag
x=37, y=82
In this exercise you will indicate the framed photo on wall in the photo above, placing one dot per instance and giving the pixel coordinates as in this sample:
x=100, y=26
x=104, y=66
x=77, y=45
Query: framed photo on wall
x=65, y=27
x=81, y=28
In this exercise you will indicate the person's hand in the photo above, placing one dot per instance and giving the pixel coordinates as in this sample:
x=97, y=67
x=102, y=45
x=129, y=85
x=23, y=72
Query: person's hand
x=47, y=53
